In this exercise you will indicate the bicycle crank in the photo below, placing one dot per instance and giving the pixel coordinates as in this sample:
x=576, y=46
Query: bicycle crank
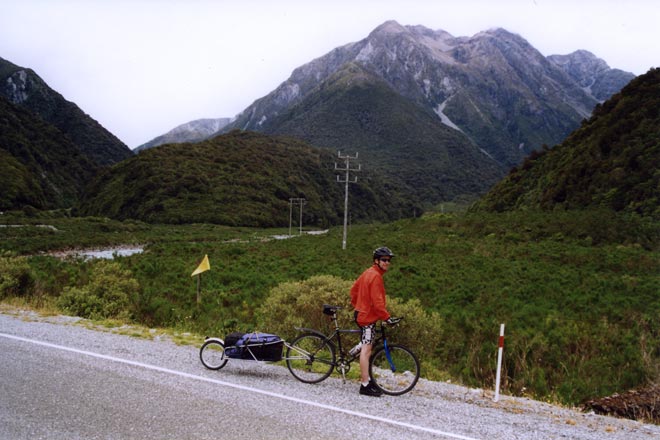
x=343, y=368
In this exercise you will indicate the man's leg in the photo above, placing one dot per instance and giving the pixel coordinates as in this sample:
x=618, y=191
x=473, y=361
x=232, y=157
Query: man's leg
x=365, y=354
x=366, y=387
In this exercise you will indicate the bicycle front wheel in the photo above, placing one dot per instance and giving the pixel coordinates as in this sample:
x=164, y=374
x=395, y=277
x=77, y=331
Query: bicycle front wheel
x=310, y=358
x=394, y=370
x=212, y=355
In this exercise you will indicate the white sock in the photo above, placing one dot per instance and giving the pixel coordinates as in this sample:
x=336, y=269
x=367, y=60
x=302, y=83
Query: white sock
x=364, y=384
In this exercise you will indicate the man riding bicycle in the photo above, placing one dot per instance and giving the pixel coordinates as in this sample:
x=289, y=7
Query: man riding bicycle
x=368, y=300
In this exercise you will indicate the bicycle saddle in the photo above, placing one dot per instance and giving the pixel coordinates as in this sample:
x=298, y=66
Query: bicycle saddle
x=330, y=310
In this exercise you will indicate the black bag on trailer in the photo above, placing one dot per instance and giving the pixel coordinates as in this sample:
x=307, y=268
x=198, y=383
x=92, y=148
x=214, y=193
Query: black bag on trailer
x=259, y=346
x=231, y=350
x=233, y=338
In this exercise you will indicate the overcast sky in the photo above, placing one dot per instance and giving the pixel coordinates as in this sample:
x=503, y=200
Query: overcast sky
x=142, y=67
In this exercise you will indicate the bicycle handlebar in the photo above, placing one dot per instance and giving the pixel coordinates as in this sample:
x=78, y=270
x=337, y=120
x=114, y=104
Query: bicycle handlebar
x=393, y=321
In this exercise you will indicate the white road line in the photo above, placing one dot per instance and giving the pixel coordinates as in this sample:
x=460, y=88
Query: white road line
x=241, y=387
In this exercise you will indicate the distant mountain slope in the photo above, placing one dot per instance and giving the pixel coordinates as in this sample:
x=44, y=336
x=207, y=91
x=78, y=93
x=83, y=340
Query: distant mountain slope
x=494, y=87
x=355, y=110
x=193, y=131
x=611, y=160
x=39, y=165
x=25, y=88
x=240, y=178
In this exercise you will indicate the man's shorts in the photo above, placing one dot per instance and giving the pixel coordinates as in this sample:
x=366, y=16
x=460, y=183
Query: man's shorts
x=368, y=332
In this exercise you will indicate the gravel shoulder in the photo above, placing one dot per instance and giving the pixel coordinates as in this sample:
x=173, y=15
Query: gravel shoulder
x=442, y=407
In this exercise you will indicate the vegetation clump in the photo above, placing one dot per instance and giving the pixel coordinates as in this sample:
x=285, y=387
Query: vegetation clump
x=108, y=292
x=16, y=277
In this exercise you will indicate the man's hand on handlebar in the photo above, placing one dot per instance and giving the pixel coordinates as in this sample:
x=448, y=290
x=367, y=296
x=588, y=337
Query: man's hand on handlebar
x=393, y=321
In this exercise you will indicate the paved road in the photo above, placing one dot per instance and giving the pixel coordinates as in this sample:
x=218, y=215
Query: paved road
x=66, y=382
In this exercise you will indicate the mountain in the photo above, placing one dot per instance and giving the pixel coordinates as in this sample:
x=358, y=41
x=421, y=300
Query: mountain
x=25, y=88
x=240, y=178
x=592, y=73
x=611, y=161
x=39, y=165
x=494, y=91
x=423, y=158
x=494, y=80
x=193, y=131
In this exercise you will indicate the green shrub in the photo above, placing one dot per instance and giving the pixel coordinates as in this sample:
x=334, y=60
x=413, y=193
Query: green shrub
x=15, y=276
x=300, y=304
x=107, y=294
x=420, y=330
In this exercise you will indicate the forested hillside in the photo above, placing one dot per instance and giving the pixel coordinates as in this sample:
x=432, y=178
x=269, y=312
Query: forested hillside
x=39, y=165
x=610, y=161
x=240, y=178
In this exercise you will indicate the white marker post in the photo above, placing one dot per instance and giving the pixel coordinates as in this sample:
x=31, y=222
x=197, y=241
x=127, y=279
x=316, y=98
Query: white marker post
x=500, y=349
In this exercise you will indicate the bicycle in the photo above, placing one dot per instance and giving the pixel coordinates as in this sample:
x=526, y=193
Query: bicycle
x=312, y=356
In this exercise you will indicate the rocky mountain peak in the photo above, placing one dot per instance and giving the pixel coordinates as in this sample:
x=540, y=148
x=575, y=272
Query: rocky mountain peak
x=592, y=74
x=503, y=44
x=581, y=65
x=388, y=28
x=193, y=131
x=581, y=57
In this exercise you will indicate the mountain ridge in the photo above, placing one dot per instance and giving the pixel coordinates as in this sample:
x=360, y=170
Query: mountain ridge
x=25, y=88
x=238, y=178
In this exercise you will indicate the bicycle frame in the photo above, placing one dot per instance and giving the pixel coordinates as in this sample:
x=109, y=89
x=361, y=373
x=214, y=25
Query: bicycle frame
x=344, y=359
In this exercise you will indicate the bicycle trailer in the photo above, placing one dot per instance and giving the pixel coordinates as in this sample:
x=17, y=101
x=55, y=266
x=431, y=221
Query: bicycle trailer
x=254, y=346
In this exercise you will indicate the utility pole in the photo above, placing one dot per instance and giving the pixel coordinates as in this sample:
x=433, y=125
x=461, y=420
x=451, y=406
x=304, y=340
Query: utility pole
x=347, y=168
x=301, y=201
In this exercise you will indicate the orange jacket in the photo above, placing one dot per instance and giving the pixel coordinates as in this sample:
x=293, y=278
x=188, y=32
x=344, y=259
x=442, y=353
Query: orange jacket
x=368, y=296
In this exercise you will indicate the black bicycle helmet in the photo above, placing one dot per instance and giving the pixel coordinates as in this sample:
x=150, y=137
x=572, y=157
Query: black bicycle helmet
x=382, y=252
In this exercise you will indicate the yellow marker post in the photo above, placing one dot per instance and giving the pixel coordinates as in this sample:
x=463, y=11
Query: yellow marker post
x=203, y=267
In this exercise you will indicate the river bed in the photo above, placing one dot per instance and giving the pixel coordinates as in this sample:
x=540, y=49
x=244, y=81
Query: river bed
x=109, y=253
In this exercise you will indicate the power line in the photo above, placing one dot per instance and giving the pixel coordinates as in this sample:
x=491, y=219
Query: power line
x=347, y=168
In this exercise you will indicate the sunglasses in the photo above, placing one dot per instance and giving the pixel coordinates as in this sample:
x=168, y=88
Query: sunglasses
x=385, y=260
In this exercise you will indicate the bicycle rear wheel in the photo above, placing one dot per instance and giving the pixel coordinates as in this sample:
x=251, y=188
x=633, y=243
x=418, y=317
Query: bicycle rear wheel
x=310, y=358
x=397, y=373
x=212, y=355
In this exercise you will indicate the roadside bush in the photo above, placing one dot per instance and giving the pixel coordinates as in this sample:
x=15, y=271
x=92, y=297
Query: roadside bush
x=300, y=304
x=420, y=330
x=107, y=294
x=15, y=276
